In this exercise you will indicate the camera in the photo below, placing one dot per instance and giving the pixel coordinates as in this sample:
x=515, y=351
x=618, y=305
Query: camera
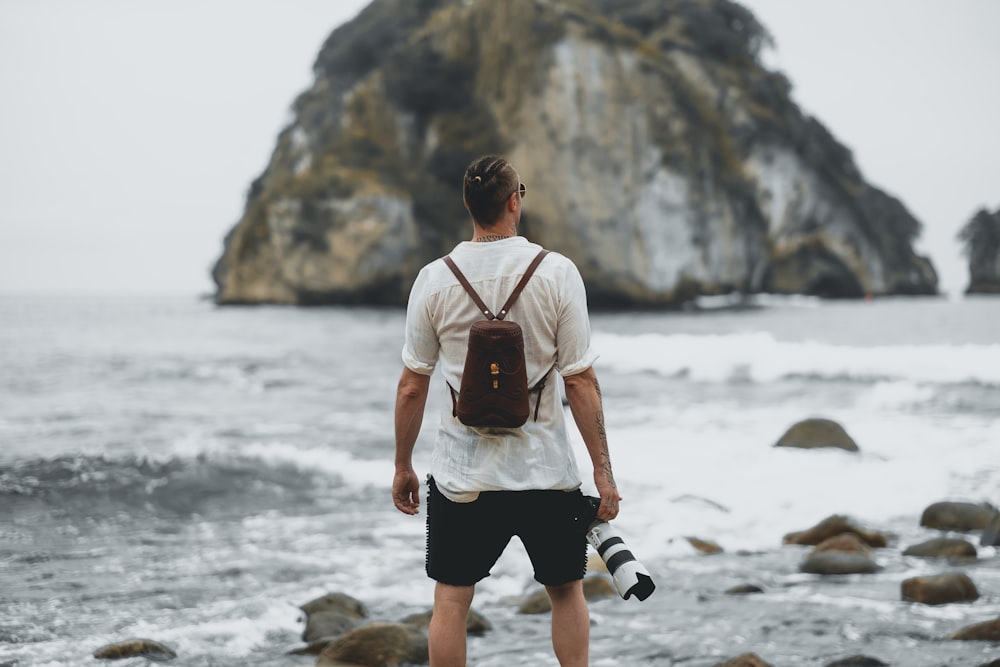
x=629, y=575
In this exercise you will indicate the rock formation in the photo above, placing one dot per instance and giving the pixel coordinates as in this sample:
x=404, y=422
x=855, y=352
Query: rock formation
x=660, y=156
x=981, y=240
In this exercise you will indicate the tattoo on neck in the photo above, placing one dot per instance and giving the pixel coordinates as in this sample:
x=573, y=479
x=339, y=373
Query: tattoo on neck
x=486, y=238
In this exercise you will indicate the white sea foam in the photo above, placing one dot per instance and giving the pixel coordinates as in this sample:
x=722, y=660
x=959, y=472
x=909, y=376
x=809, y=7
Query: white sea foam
x=760, y=357
x=754, y=493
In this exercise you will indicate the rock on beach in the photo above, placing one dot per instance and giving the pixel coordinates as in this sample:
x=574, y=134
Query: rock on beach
x=135, y=648
x=833, y=526
x=991, y=534
x=940, y=589
x=846, y=553
x=338, y=602
x=475, y=623
x=988, y=631
x=838, y=562
x=596, y=587
x=329, y=617
x=961, y=517
x=817, y=433
x=707, y=547
x=744, y=660
x=377, y=645
x=943, y=547
x=857, y=661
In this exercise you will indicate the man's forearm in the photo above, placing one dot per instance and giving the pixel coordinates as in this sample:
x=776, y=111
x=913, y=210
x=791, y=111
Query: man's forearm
x=411, y=398
x=584, y=395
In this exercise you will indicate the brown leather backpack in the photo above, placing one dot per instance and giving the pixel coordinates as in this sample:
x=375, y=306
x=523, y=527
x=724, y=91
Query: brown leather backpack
x=494, y=390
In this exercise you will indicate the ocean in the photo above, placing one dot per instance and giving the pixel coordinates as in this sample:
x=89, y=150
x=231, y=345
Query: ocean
x=192, y=474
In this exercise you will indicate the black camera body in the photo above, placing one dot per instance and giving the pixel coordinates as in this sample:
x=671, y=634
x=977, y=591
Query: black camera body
x=629, y=575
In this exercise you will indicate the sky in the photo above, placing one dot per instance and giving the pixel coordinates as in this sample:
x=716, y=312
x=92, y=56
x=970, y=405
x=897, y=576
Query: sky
x=130, y=131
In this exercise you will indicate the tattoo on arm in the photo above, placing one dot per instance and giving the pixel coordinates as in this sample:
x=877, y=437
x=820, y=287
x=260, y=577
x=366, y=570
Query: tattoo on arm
x=605, y=454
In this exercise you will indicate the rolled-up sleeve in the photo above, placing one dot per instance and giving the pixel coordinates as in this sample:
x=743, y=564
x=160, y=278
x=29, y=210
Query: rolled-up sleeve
x=421, y=346
x=573, y=349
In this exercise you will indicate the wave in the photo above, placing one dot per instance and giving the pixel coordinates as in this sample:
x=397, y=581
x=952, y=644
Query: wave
x=101, y=486
x=761, y=358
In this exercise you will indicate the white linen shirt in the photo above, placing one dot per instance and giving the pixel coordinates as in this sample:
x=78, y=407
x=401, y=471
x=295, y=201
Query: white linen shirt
x=552, y=313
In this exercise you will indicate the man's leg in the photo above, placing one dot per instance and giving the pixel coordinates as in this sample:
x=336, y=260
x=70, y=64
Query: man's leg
x=570, y=624
x=446, y=635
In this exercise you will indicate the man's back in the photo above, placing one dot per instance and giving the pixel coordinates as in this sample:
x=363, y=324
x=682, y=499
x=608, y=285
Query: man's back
x=552, y=313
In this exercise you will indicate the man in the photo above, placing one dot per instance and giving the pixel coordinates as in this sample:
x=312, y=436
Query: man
x=487, y=485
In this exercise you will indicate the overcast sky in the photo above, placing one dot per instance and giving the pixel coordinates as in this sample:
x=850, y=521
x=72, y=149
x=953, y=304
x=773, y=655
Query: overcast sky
x=130, y=130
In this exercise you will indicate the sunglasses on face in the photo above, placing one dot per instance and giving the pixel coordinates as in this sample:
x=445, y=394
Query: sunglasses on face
x=520, y=190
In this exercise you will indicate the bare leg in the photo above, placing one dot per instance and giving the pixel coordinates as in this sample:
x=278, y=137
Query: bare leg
x=570, y=624
x=446, y=635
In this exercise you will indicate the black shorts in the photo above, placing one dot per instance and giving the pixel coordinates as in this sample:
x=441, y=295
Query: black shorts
x=464, y=540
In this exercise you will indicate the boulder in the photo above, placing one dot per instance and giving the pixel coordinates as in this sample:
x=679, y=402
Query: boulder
x=598, y=588
x=135, y=648
x=943, y=547
x=536, y=603
x=841, y=554
x=744, y=660
x=940, y=589
x=327, y=624
x=958, y=516
x=816, y=433
x=838, y=562
x=832, y=526
x=331, y=615
x=595, y=564
x=595, y=587
x=857, y=661
x=475, y=623
x=704, y=546
x=314, y=647
x=338, y=602
x=377, y=645
x=988, y=631
x=846, y=542
x=744, y=589
x=991, y=534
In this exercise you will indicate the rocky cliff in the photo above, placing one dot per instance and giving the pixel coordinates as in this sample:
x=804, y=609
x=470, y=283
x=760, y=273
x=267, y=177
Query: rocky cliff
x=981, y=241
x=660, y=155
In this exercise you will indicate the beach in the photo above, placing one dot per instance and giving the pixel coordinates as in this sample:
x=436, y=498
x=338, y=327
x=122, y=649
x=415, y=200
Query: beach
x=193, y=474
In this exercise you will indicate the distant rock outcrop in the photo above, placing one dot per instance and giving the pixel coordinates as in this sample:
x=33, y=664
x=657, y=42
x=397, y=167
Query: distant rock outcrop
x=662, y=157
x=981, y=241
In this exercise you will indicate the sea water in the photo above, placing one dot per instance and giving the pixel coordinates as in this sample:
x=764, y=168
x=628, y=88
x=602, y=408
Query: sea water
x=192, y=474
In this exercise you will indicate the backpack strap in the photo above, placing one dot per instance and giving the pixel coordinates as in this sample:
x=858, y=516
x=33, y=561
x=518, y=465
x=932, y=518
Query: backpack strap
x=468, y=288
x=536, y=389
x=514, y=295
x=520, y=286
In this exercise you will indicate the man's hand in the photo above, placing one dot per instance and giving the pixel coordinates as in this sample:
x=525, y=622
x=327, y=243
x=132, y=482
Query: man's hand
x=411, y=396
x=406, y=491
x=609, y=496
